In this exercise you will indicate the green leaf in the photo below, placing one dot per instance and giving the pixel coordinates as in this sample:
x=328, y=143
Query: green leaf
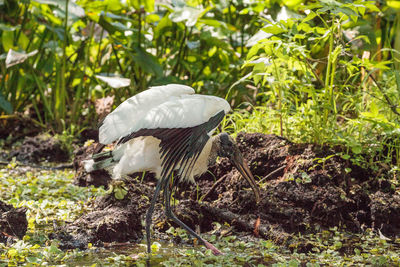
x=149, y=5
x=393, y=4
x=147, y=62
x=164, y=26
x=5, y=27
x=397, y=75
x=73, y=9
x=119, y=193
x=7, y=40
x=310, y=16
x=357, y=149
x=212, y=51
x=274, y=29
x=188, y=14
x=345, y=156
x=5, y=105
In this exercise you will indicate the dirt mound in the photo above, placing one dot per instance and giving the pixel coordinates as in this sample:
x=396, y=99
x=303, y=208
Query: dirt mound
x=13, y=223
x=39, y=148
x=305, y=188
x=17, y=126
x=112, y=220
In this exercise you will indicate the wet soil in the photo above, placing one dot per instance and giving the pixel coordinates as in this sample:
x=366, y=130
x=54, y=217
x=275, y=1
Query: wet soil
x=13, y=223
x=16, y=127
x=304, y=188
x=40, y=148
x=112, y=220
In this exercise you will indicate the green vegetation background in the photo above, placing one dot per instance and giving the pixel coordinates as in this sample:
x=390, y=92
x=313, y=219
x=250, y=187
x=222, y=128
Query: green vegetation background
x=312, y=71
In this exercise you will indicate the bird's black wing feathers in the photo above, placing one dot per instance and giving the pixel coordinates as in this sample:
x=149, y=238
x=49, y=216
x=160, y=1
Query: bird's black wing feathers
x=179, y=146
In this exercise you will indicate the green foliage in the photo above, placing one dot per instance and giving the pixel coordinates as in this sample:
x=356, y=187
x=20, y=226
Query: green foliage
x=197, y=43
x=50, y=199
x=315, y=84
x=300, y=65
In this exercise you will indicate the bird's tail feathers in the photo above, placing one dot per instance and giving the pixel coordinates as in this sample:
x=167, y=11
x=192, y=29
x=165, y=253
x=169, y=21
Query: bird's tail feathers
x=88, y=165
x=102, y=155
x=99, y=161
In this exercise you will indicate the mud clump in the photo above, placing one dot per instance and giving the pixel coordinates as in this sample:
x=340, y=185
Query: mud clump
x=17, y=127
x=304, y=188
x=13, y=223
x=111, y=220
x=41, y=148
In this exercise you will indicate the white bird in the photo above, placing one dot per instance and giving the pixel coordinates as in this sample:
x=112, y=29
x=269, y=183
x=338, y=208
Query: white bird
x=165, y=129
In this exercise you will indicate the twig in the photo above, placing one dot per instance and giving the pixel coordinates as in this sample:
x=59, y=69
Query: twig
x=315, y=74
x=266, y=231
x=389, y=102
x=218, y=182
x=272, y=173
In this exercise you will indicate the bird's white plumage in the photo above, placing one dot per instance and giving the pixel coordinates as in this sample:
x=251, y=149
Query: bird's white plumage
x=169, y=106
x=142, y=154
x=127, y=116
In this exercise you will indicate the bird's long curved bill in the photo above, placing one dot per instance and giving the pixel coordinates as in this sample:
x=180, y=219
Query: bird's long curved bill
x=241, y=165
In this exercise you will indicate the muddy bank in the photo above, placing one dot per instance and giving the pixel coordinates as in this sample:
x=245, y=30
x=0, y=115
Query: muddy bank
x=17, y=126
x=304, y=188
x=112, y=220
x=13, y=223
x=40, y=148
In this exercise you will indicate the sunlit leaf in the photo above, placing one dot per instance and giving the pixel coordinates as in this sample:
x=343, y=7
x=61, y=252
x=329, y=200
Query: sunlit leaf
x=188, y=14
x=274, y=29
x=14, y=58
x=7, y=39
x=393, y=4
x=260, y=35
x=5, y=27
x=149, y=5
x=114, y=82
x=73, y=8
x=310, y=16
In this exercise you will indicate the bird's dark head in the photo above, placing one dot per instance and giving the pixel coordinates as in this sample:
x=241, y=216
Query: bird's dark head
x=229, y=149
x=227, y=146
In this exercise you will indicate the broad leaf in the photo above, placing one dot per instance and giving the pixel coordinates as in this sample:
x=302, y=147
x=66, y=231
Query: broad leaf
x=147, y=62
x=115, y=82
x=5, y=105
x=14, y=58
x=73, y=8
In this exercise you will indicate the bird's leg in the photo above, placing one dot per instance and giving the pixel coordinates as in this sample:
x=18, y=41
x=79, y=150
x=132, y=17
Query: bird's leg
x=172, y=216
x=150, y=213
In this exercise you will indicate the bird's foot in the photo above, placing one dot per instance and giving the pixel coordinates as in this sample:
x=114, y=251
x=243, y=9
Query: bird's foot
x=214, y=250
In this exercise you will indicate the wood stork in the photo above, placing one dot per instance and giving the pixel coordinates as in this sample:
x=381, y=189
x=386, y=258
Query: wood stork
x=165, y=129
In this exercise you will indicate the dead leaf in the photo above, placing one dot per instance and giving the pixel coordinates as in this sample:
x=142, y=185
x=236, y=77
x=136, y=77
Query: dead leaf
x=103, y=106
x=257, y=227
